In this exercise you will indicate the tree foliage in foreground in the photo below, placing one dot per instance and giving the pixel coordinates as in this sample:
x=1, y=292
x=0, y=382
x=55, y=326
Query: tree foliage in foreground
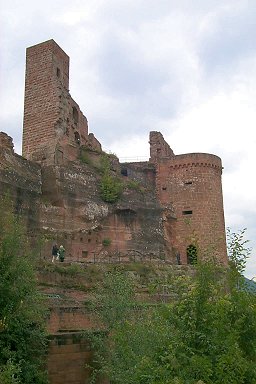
x=206, y=335
x=22, y=312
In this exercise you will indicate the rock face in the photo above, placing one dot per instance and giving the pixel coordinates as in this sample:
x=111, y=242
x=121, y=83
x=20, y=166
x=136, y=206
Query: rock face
x=170, y=207
x=91, y=229
x=21, y=180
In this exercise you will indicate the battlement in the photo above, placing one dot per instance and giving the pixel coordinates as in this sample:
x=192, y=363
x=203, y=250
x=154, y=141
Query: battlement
x=196, y=160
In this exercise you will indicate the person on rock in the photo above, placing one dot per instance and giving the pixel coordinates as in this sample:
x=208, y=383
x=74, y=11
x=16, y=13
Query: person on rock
x=55, y=250
x=61, y=253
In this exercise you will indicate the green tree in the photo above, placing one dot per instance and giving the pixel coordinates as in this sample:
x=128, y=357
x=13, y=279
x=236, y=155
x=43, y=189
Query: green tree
x=137, y=333
x=207, y=334
x=110, y=185
x=22, y=311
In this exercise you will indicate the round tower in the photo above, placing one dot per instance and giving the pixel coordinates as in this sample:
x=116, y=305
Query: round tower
x=191, y=184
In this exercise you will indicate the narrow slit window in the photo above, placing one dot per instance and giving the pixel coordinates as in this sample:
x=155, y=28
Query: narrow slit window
x=58, y=72
x=75, y=115
x=187, y=212
x=188, y=182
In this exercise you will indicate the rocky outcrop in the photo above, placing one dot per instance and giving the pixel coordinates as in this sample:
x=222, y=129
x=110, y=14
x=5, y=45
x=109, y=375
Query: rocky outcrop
x=20, y=181
x=63, y=203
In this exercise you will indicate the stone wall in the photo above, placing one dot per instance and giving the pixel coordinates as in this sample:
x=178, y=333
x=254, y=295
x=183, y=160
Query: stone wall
x=20, y=183
x=69, y=353
x=54, y=126
x=190, y=184
x=159, y=149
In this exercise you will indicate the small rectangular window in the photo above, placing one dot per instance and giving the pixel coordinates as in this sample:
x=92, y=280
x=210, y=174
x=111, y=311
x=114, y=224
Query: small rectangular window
x=188, y=182
x=84, y=254
x=187, y=212
x=58, y=72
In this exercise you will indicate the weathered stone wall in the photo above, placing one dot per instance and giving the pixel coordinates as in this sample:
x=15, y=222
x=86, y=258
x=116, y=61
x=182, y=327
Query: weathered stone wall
x=69, y=353
x=191, y=183
x=20, y=183
x=67, y=318
x=159, y=149
x=42, y=106
x=54, y=126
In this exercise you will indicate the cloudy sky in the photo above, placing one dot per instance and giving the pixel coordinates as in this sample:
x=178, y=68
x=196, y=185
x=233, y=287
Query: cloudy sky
x=186, y=68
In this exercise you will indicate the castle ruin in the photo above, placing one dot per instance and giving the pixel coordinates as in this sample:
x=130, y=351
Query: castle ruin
x=170, y=208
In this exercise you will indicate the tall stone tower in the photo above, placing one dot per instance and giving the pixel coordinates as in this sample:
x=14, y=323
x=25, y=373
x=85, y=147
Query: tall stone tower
x=54, y=127
x=190, y=187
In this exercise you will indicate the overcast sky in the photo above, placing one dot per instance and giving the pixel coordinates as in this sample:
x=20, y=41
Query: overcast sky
x=186, y=68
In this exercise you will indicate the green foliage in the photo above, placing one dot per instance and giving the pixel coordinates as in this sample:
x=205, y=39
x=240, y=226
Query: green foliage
x=22, y=312
x=84, y=156
x=9, y=373
x=106, y=242
x=238, y=253
x=110, y=186
x=206, y=335
x=135, y=185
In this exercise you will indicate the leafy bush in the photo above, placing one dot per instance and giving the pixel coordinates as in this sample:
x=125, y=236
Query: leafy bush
x=135, y=185
x=110, y=188
x=22, y=310
x=207, y=334
x=106, y=242
x=84, y=156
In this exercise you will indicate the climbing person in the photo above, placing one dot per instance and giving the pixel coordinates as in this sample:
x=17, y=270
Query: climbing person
x=61, y=253
x=54, y=252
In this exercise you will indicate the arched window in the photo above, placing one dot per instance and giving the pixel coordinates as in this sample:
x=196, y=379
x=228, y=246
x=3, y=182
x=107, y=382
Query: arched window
x=192, y=254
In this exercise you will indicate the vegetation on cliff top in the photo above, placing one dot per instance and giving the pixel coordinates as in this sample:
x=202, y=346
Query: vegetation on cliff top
x=110, y=186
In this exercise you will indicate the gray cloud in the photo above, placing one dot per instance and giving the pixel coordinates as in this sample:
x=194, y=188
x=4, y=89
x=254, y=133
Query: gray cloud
x=124, y=72
x=230, y=40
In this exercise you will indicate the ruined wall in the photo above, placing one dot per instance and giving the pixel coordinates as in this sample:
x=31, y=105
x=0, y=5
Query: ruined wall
x=65, y=318
x=159, y=149
x=54, y=126
x=20, y=183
